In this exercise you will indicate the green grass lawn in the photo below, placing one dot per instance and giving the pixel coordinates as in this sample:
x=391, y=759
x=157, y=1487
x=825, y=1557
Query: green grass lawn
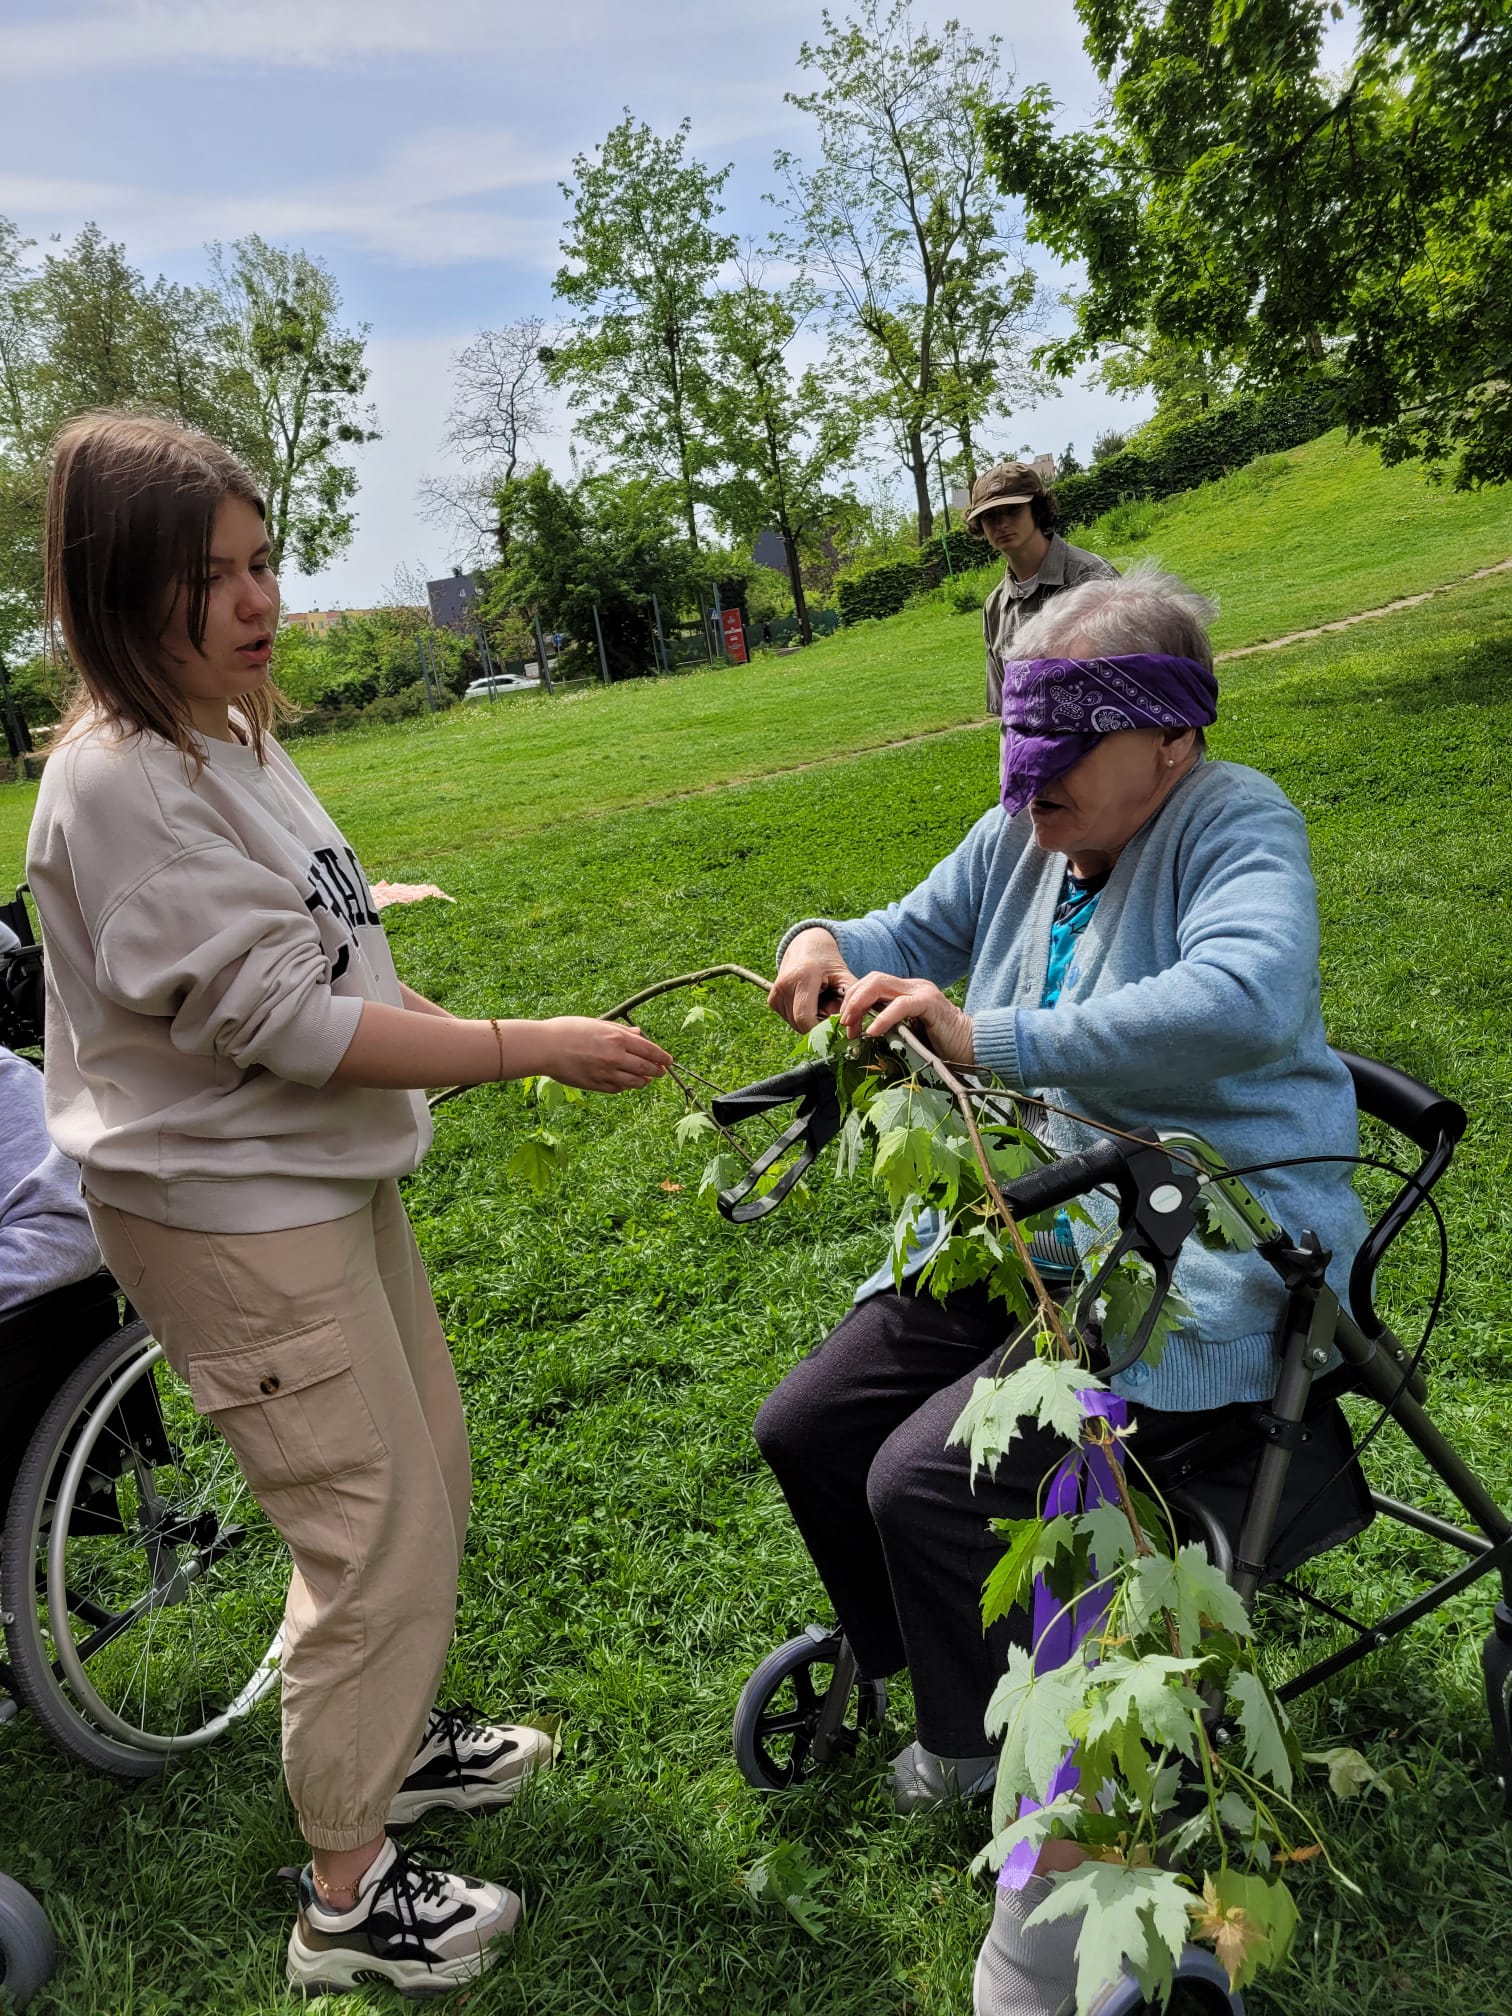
x=630, y=1560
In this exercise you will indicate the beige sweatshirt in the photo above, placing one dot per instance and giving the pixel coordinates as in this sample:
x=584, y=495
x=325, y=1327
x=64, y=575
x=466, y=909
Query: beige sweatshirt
x=210, y=943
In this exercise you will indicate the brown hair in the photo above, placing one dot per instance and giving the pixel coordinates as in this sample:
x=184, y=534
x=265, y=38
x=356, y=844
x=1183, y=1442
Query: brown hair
x=1045, y=511
x=131, y=504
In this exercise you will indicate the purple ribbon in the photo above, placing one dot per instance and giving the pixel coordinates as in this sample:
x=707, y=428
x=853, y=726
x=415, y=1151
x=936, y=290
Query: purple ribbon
x=1083, y=1479
x=1057, y=710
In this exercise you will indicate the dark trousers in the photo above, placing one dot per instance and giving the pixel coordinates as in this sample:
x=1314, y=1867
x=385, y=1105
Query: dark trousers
x=856, y=1435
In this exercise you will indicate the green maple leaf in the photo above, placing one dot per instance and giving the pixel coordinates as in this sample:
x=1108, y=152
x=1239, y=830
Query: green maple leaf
x=1126, y=1295
x=787, y=1875
x=691, y=1126
x=1138, y=1915
x=1035, y=1828
x=1034, y=1544
x=964, y=1259
x=720, y=1172
x=537, y=1159
x=1109, y=1536
x=1349, y=1773
x=1031, y=1711
x=823, y=1036
x=1189, y=1588
x=1264, y=1725
x=1223, y=1223
x=851, y=1145
x=1049, y=1705
x=1149, y=1696
x=1042, y=1389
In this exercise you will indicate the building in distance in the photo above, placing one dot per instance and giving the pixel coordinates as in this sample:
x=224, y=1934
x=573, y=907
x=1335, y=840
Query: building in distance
x=453, y=601
x=318, y=621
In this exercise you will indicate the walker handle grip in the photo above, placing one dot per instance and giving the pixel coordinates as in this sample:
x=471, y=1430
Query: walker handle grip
x=1059, y=1182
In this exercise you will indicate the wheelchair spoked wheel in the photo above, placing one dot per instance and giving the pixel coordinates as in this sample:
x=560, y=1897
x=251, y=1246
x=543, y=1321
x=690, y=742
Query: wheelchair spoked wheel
x=141, y=1584
x=778, y=1721
x=27, y=1948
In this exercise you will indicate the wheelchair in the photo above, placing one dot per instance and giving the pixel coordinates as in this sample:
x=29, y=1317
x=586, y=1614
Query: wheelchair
x=140, y=1584
x=806, y=1705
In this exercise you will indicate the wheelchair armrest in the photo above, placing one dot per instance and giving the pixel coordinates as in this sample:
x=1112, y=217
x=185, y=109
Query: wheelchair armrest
x=1434, y=1124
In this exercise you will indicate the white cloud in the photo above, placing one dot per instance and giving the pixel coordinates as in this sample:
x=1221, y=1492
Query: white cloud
x=338, y=34
x=420, y=206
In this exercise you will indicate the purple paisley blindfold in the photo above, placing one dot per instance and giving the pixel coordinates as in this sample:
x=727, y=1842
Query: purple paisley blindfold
x=1057, y=710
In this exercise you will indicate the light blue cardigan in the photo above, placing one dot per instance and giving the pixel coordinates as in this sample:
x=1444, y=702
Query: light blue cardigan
x=1192, y=1002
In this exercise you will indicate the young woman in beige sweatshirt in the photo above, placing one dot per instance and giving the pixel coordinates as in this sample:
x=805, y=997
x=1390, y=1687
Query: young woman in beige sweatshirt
x=238, y=1068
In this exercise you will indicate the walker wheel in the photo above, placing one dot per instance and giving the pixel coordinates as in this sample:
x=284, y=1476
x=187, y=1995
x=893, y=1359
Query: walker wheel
x=778, y=1713
x=1199, y=1989
x=27, y=1949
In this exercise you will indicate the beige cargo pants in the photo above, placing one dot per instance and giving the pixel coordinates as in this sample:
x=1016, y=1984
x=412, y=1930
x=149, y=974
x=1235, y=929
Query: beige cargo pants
x=319, y=1355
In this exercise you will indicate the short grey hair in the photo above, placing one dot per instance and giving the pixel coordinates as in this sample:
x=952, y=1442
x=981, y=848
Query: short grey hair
x=1143, y=610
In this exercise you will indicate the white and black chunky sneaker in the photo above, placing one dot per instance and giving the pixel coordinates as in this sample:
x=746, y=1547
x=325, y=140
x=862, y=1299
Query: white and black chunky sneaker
x=468, y=1766
x=412, y=1928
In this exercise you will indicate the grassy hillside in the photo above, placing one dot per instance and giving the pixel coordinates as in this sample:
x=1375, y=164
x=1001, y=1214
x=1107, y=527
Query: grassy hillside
x=630, y=1559
x=1299, y=539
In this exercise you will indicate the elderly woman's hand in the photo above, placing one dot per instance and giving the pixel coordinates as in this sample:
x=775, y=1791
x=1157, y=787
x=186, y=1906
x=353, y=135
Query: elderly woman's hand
x=812, y=978
x=943, y=1026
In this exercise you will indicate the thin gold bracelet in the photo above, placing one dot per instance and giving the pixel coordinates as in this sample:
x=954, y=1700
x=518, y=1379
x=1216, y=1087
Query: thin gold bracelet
x=493, y=1023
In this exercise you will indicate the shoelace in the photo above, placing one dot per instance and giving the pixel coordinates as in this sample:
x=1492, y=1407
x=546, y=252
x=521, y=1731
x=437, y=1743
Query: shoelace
x=408, y=1885
x=452, y=1723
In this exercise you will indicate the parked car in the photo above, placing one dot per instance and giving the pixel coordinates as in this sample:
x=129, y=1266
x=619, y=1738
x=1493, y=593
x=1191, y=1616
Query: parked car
x=501, y=682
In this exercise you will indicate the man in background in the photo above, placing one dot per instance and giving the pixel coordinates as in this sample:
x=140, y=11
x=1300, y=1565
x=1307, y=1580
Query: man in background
x=1013, y=511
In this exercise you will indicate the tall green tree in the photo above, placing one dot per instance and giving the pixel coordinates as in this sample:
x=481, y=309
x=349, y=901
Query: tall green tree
x=899, y=222
x=784, y=436
x=643, y=248
x=600, y=541
x=82, y=328
x=259, y=359
x=1239, y=199
x=291, y=378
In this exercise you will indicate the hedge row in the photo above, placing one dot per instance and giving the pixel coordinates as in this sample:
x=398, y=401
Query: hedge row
x=1200, y=450
x=880, y=591
x=883, y=591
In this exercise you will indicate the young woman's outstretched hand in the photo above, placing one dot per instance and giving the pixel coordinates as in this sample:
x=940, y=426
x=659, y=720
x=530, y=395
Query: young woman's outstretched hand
x=412, y=1047
x=600, y=1056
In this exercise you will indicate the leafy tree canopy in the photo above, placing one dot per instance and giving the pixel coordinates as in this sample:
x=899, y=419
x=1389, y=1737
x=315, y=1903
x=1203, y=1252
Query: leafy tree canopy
x=1238, y=200
x=643, y=248
x=599, y=541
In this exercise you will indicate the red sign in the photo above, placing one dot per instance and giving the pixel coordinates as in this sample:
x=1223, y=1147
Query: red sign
x=734, y=636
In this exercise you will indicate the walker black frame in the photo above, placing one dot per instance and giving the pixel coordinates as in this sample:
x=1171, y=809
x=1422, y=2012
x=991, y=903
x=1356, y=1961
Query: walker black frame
x=1156, y=1213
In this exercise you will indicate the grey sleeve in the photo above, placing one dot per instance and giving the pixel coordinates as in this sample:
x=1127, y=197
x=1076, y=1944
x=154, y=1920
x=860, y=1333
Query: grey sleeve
x=994, y=665
x=45, y=1240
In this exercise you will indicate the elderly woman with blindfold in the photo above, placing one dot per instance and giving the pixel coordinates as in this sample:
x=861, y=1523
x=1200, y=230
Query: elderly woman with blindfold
x=1137, y=924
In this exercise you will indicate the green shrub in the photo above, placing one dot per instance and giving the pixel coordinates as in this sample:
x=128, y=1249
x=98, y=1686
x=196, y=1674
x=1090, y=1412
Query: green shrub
x=879, y=591
x=1127, y=523
x=1199, y=451
x=401, y=706
x=966, y=551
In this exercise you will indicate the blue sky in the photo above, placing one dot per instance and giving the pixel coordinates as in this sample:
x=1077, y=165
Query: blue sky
x=416, y=146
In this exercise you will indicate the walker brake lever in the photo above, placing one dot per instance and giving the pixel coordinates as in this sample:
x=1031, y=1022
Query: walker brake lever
x=816, y=1125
